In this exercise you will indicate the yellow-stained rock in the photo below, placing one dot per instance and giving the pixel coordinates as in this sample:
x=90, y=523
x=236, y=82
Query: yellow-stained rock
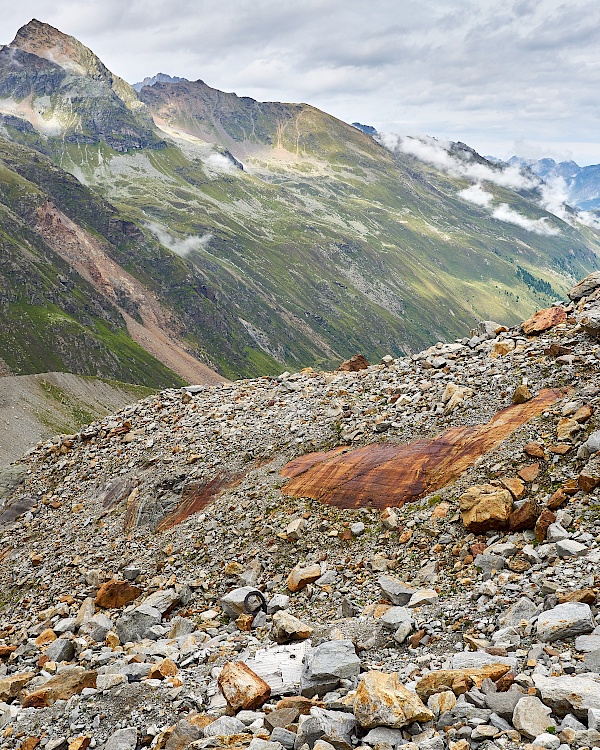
x=12, y=685
x=62, y=687
x=288, y=628
x=162, y=669
x=45, y=637
x=302, y=576
x=241, y=687
x=382, y=700
x=485, y=507
x=443, y=679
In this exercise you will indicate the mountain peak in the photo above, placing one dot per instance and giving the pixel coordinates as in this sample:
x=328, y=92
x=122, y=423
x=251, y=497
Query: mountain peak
x=158, y=78
x=42, y=39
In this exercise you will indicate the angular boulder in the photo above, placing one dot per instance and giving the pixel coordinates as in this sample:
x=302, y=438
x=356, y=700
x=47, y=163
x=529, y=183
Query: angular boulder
x=565, y=621
x=444, y=679
x=485, y=507
x=542, y=320
x=382, y=700
x=287, y=628
x=116, y=594
x=531, y=717
x=585, y=287
x=301, y=576
x=242, y=688
x=66, y=684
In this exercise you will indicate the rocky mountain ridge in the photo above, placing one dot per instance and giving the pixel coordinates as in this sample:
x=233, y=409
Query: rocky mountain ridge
x=137, y=554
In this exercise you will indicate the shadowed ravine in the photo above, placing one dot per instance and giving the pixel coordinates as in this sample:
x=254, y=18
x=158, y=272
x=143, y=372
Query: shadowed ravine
x=390, y=475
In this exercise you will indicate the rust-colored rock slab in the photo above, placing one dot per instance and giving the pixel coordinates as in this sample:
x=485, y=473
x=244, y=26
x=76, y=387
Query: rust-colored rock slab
x=542, y=320
x=354, y=364
x=385, y=475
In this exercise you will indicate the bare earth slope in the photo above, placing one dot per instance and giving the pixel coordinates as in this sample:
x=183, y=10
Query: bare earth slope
x=35, y=407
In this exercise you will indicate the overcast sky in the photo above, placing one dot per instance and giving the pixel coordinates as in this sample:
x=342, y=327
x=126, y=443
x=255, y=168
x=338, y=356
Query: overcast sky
x=505, y=76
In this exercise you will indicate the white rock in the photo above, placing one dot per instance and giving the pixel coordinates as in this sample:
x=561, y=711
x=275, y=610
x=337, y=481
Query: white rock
x=531, y=717
x=564, y=621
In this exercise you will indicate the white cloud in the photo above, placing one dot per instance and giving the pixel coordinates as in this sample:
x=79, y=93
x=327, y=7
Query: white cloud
x=182, y=247
x=504, y=212
x=220, y=163
x=477, y=195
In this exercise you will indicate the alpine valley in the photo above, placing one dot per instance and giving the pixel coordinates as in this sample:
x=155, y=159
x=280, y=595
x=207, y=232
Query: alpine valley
x=182, y=234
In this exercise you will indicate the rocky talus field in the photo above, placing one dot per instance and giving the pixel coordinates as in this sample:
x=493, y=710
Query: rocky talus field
x=397, y=554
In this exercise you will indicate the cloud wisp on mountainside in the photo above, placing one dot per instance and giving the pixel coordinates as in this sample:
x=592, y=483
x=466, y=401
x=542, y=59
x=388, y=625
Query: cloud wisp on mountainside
x=180, y=247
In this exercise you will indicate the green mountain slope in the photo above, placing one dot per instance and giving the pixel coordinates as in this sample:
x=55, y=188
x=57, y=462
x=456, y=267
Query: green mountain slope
x=298, y=239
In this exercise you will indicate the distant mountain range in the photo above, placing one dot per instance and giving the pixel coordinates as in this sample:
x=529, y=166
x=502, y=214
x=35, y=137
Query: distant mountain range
x=187, y=234
x=582, y=183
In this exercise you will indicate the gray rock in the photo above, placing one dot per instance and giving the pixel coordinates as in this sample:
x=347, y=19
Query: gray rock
x=61, y=650
x=564, y=621
x=134, y=672
x=357, y=529
x=433, y=743
x=571, y=722
x=258, y=744
x=122, y=739
x=556, y=533
x=593, y=718
x=130, y=573
x=522, y=609
x=163, y=600
x=531, y=717
x=489, y=562
x=396, y=616
x=338, y=727
x=181, y=626
x=592, y=661
x=224, y=726
x=233, y=602
x=309, y=731
x=507, y=636
x=398, y=592
x=504, y=704
x=133, y=626
x=547, y=741
x=422, y=597
x=284, y=737
x=392, y=737
x=569, y=694
x=570, y=548
x=326, y=665
x=98, y=626
x=585, y=287
x=591, y=445
x=66, y=625
x=486, y=329
x=277, y=603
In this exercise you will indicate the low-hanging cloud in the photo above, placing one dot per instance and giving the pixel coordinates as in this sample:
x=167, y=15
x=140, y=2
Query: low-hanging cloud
x=477, y=195
x=437, y=154
x=182, y=247
x=504, y=212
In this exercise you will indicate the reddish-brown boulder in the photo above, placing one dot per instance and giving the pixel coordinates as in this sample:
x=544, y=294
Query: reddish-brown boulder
x=354, y=364
x=524, y=517
x=542, y=320
x=115, y=594
x=541, y=527
x=242, y=688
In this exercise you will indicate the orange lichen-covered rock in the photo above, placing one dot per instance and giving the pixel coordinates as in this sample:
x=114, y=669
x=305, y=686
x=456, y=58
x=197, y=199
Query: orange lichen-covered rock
x=115, y=594
x=382, y=475
x=542, y=320
x=242, y=688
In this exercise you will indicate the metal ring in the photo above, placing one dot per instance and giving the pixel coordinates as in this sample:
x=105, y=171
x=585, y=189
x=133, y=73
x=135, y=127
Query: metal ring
x=262, y=605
